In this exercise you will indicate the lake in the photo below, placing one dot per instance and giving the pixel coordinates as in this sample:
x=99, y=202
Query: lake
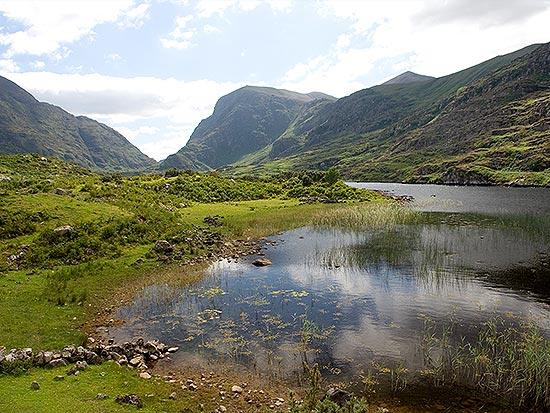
x=357, y=301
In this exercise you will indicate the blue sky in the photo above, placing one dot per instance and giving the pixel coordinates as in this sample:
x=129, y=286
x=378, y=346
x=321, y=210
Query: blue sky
x=152, y=69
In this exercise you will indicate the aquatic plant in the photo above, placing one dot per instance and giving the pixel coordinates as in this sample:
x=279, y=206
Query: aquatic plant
x=367, y=216
x=512, y=363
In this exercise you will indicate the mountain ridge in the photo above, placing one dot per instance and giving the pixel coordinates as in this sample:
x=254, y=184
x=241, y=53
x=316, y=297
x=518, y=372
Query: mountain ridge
x=375, y=133
x=30, y=126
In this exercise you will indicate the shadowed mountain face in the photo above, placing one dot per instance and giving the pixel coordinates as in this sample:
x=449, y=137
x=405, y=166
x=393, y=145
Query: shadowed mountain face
x=243, y=122
x=30, y=126
x=485, y=124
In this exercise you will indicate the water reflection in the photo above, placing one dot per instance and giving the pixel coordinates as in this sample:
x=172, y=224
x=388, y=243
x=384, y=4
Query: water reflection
x=344, y=298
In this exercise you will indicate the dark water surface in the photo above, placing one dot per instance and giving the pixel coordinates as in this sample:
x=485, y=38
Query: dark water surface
x=348, y=299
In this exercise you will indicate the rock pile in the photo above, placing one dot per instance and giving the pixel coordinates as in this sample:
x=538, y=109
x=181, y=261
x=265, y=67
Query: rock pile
x=138, y=354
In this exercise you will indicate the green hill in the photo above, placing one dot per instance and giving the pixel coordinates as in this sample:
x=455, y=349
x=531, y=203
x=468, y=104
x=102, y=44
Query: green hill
x=30, y=126
x=485, y=124
x=243, y=122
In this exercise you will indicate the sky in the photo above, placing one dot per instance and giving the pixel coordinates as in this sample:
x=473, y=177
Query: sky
x=152, y=69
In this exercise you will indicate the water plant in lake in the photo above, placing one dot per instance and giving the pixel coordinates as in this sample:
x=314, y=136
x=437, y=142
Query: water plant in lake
x=512, y=363
x=367, y=216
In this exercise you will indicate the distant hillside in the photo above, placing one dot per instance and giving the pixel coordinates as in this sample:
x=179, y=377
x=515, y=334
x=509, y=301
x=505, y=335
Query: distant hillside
x=408, y=77
x=485, y=124
x=243, y=122
x=30, y=126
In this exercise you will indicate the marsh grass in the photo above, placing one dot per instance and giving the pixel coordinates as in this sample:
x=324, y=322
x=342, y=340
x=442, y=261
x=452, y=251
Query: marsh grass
x=365, y=216
x=510, y=363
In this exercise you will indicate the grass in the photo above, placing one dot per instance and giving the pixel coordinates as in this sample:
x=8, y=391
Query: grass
x=59, y=283
x=507, y=362
x=360, y=217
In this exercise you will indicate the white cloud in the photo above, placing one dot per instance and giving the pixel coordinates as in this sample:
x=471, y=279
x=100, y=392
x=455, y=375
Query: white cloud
x=181, y=37
x=401, y=35
x=8, y=65
x=167, y=109
x=135, y=17
x=39, y=64
x=49, y=25
x=133, y=133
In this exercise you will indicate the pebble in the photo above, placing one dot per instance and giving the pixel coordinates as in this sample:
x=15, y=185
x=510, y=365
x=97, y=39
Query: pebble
x=237, y=389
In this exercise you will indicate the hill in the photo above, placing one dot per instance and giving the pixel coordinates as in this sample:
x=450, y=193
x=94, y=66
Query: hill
x=30, y=126
x=484, y=124
x=408, y=77
x=243, y=122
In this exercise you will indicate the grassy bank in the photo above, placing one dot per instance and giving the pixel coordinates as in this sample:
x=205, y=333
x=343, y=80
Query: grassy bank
x=52, y=282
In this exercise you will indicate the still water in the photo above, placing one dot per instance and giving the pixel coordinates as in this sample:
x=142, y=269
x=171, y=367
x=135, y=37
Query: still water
x=480, y=199
x=349, y=300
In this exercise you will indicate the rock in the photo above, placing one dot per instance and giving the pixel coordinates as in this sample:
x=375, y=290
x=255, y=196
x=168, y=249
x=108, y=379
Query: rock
x=57, y=362
x=237, y=389
x=262, y=262
x=81, y=365
x=222, y=409
x=130, y=399
x=60, y=191
x=63, y=230
x=173, y=396
x=35, y=385
x=101, y=396
x=136, y=361
x=163, y=246
x=48, y=356
x=145, y=375
x=172, y=349
x=59, y=378
x=337, y=396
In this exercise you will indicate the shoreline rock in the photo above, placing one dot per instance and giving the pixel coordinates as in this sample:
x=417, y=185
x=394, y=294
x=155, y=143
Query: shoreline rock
x=140, y=353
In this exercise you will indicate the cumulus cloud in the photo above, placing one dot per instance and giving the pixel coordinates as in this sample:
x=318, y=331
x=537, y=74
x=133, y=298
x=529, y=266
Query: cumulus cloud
x=132, y=105
x=400, y=35
x=49, y=25
x=181, y=37
x=486, y=12
x=8, y=65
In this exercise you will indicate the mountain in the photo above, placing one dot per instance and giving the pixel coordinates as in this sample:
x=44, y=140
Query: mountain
x=30, y=126
x=408, y=77
x=484, y=124
x=243, y=122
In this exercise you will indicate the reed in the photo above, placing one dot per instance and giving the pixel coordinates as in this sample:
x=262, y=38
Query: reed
x=367, y=216
x=510, y=363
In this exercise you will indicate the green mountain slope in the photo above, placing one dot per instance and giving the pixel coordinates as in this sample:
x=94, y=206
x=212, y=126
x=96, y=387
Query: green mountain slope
x=30, y=126
x=485, y=124
x=243, y=122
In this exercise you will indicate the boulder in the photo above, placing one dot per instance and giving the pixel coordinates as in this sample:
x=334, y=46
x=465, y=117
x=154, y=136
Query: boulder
x=261, y=262
x=337, y=396
x=63, y=230
x=163, y=246
x=130, y=399
x=57, y=363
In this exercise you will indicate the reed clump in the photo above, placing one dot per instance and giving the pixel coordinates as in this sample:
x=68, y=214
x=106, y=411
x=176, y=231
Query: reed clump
x=367, y=216
x=511, y=363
